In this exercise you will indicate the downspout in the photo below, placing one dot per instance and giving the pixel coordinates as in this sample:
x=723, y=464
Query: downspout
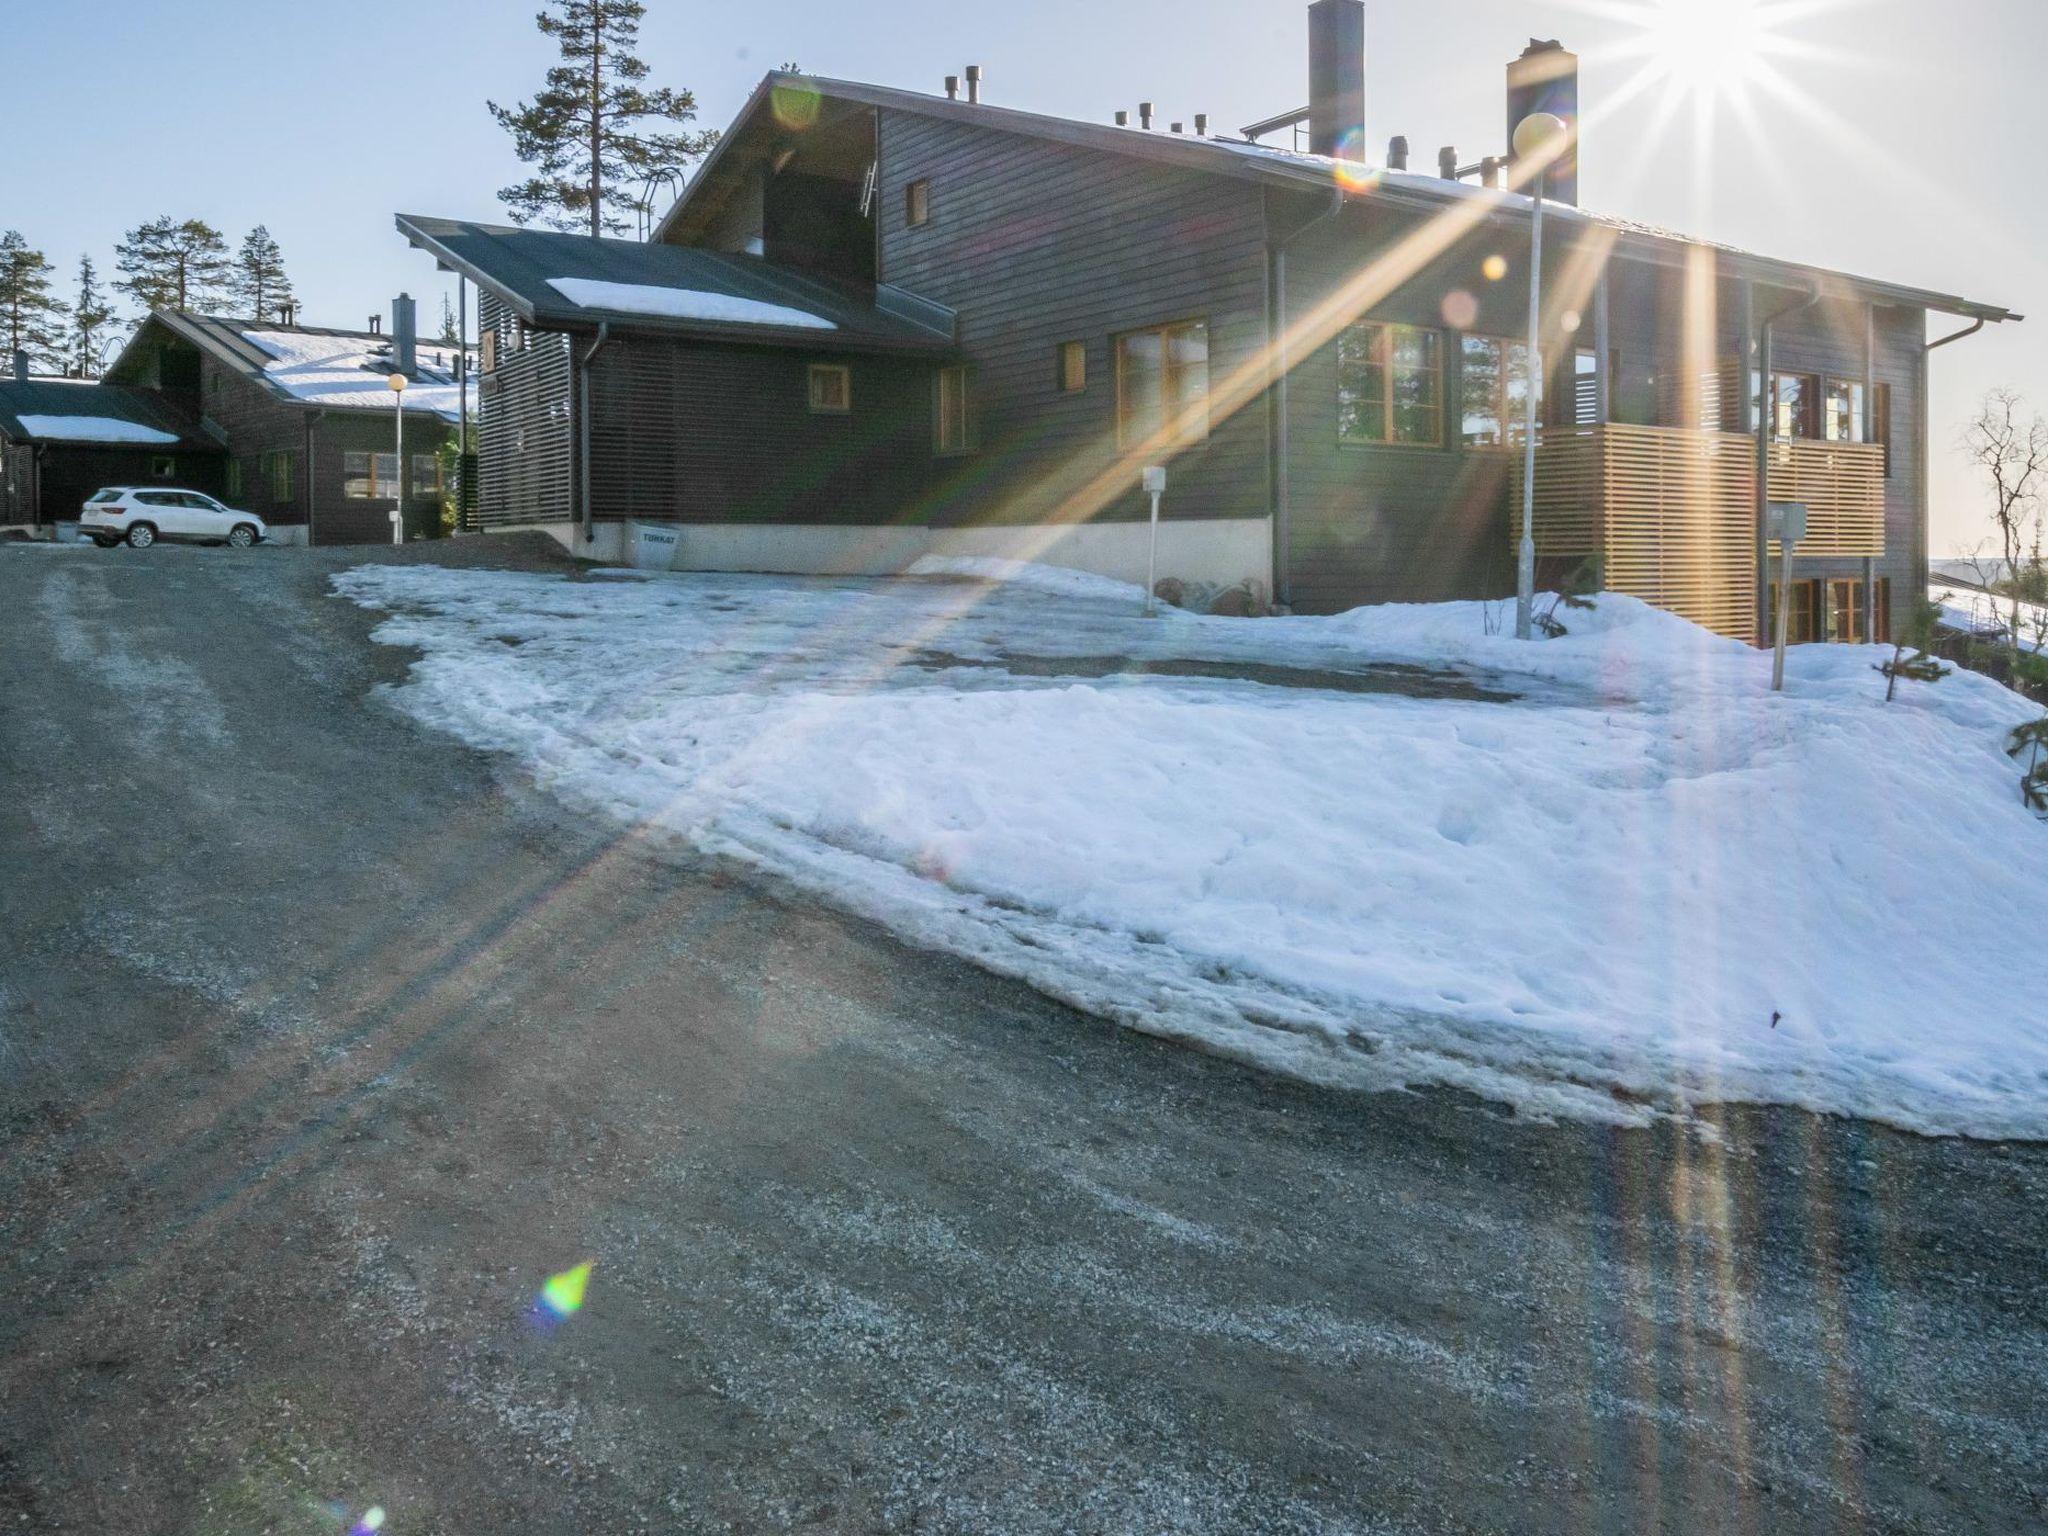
x=312, y=481
x=604, y=332
x=1765, y=418
x=1277, y=353
x=1963, y=335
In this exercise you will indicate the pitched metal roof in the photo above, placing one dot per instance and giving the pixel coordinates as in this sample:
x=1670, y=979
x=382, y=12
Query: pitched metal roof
x=1271, y=166
x=81, y=401
x=674, y=290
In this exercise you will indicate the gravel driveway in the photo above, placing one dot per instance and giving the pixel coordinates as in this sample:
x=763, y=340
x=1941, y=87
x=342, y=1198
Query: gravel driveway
x=323, y=1043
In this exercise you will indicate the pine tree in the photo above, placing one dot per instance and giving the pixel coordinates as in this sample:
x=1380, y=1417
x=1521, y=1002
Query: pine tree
x=1921, y=666
x=2030, y=741
x=90, y=316
x=580, y=133
x=33, y=317
x=451, y=333
x=258, y=283
x=173, y=264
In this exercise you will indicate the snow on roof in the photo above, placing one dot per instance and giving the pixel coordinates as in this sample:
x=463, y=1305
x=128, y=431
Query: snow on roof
x=94, y=429
x=1970, y=611
x=683, y=303
x=350, y=371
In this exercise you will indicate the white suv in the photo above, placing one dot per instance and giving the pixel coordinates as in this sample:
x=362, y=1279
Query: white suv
x=144, y=515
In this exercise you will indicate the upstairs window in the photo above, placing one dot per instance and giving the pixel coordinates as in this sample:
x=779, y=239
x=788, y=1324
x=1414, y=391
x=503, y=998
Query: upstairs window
x=953, y=412
x=1070, y=367
x=1162, y=385
x=917, y=203
x=1390, y=385
x=1841, y=416
x=831, y=389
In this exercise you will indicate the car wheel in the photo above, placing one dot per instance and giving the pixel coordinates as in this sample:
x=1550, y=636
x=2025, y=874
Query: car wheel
x=141, y=535
x=241, y=536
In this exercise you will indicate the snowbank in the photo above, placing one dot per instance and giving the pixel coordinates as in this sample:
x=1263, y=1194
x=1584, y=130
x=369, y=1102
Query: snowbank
x=351, y=371
x=93, y=429
x=1647, y=883
x=683, y=303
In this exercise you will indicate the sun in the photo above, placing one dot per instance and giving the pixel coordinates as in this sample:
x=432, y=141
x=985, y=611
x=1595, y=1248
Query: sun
x=1708, y=46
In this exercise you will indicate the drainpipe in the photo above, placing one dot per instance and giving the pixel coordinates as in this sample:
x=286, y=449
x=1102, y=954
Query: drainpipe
x=604, y=333
x=311, y=480
x=1277, y=356
x=1766, y=419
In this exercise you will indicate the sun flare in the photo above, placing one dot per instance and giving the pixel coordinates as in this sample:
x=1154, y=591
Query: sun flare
x=1708, y=45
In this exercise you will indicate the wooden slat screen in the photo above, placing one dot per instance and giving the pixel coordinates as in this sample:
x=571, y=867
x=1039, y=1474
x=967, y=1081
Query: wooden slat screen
x=1842, y=485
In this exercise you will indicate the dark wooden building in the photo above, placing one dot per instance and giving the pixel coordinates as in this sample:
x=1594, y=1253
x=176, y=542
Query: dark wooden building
x=1010, y=314
x=63, y=439
x=304, y=417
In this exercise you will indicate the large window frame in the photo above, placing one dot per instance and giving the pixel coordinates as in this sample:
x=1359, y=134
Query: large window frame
x=1371, y=367
x=278, y=466
x=917, y=203
x=953, y=411
x=828, y=389
x=1162, y=385
x=1498, y=364
x=368, y=476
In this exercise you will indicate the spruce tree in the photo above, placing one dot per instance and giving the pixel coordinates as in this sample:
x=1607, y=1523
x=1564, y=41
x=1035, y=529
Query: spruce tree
x=258, y=284
x=173, y=264
x=90, y=316
x=582, y=134
x=1921, y=666
x=451, y=333
x=33, y=317
x=2028, y=744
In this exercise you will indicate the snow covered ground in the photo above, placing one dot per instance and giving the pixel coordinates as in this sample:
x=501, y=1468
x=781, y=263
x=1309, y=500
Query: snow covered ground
x=1645, y=882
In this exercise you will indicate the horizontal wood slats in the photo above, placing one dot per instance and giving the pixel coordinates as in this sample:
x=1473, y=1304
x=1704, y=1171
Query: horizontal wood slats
x=1672, y=511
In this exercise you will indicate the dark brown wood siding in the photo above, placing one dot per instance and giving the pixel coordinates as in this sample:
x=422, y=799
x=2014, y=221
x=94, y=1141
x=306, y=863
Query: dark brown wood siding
x=526, y=442
x=1034, y=244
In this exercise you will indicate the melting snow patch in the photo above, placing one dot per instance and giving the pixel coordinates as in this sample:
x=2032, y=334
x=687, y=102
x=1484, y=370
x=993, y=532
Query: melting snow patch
x=1647, y=884
x=93, y=429
x=683, y=303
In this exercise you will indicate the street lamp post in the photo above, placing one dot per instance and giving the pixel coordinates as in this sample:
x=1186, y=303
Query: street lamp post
x=397, y=382
x=1539, y=137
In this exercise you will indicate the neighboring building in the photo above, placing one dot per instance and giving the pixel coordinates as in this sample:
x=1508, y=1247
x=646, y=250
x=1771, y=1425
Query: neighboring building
x=62, y=439
x=880, y=324
x=306, y=417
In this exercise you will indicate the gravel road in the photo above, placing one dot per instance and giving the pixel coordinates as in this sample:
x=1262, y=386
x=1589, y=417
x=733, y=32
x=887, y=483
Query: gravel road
x=324, y=1042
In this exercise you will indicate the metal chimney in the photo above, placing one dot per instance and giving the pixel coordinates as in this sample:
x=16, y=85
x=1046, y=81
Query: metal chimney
x=376, y=325
x=1201, y=125
x=952, y=87
x=1145, y=115
x=1336, y=78
x=20, y=366
x=1397, y=153
x=1546, y=79
x=974, y=82
x=1123, y=119
x=405, y=335
x=1447, y=162
x=1180, y=127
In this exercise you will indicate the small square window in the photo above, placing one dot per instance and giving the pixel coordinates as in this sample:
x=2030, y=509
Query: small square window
x=163, y=467
x=1073, y=367
x=831, y=389
x=917, y=203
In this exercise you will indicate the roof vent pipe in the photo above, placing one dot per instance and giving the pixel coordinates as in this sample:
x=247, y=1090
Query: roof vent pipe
x=1489, y=171
x=952, y=87
x=1201, y=125
x=974, y=83
x=1447, y=162
x=376, y=325
x=1336, y=78
x=1145, y=115
x=1123, y=119
x=1397, y=153
x=1179, y=127
x=405, y=335
x=20, y=366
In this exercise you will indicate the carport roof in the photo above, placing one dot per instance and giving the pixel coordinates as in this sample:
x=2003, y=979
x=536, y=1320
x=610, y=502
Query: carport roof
x=675, y=290
x=135, y=418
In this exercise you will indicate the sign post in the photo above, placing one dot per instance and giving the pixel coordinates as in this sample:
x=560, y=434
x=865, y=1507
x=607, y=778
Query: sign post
x=1155, y=487
x=1784, y=522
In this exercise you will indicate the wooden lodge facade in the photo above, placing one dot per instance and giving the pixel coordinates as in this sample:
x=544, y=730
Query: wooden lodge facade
x=881, y=324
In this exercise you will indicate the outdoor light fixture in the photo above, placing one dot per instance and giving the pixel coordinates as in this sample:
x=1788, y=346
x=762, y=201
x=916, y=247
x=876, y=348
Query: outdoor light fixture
x=1539, y=138
x=397, y=381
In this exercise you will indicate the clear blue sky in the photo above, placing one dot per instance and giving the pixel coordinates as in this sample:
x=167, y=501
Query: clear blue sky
x=1904, y=148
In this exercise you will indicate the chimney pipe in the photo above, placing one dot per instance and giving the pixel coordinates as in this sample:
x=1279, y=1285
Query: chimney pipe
x=1179, y=127
x=1201, y=125
x=1489, y=171
x=1397, y=153
x=974, y=83
x=1145, y=115
x=1336, y=78
x=20, y=366
x=376, y=325
x=405, y=335
x=952, y=87
x=1447, y=162
x=1123, y=119
x=1546, y=79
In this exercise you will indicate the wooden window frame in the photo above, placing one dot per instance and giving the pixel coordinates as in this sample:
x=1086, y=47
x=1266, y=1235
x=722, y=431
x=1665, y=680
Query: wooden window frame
x=1191, y=427
x=1807, y=423
x=1378, y=338
x=942, y=446
x=233, y=479
x=1852, y=391
x=432, y=485
x=380, y=489
x=818, y=406
x=1512, y=428
x=1814, y=591
x=487, y=350
x=917, y=203
x=279, y=471
x=1070, y=381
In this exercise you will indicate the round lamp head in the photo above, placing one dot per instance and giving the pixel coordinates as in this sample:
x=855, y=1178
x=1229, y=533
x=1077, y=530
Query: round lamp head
x=1541, y=136
x=396, y=381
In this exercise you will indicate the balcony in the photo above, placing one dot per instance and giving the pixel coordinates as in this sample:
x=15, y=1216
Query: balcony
x=1672, y=511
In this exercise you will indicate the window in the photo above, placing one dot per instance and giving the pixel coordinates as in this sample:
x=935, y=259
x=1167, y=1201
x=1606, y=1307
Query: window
x=1071, y=367
x=1845, y=612
x=277, y=474
x=369, y=476
x=163, y=467
x=1881, y=423
x=1795, y=403
x=917, y=203
x=1389, y=385
x=831, y=389
x=1495, y=393
x=426, y=475
x=1162, y=385
x=489, y=344
x=1841, y=412
x=234, y=478
x=1801, y=620
x=953, y=423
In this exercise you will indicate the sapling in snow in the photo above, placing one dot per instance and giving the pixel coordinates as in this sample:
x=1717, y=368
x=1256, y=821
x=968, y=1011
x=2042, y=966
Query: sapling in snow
x=1577, y=592
x=2030, y=741
x=1921, y=666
